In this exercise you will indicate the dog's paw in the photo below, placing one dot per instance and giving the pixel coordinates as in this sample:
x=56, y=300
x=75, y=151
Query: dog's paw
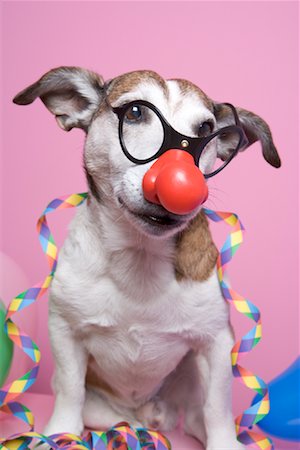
x=68, y=424
x=157, y=415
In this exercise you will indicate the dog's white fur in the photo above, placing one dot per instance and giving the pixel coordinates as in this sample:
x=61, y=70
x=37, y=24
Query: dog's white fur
x=161, y=345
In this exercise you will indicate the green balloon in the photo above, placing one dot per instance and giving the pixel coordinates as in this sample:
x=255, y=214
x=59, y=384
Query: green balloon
x=6, y=347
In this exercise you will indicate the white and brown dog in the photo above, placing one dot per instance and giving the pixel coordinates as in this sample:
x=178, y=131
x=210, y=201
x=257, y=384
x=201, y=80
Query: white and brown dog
x=139, y=328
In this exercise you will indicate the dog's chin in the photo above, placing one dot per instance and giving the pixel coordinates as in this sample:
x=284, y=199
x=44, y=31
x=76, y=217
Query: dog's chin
x=155, y=221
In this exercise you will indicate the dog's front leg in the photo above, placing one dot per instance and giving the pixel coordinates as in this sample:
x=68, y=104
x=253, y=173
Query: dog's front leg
x=69, y=378
x=215, y=375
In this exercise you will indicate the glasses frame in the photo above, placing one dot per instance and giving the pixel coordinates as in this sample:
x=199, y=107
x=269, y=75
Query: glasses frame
x=173, y=139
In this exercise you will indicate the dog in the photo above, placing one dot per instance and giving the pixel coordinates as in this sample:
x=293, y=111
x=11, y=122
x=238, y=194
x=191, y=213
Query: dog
x=138, y=326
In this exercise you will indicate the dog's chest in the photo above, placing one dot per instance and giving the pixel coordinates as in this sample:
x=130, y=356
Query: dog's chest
x=137, y=345
x=137, y=350
x=132, y=315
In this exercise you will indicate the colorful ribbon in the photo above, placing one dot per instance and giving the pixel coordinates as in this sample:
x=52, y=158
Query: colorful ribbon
x=260, y=409
x=121, y=436
x=140, y=438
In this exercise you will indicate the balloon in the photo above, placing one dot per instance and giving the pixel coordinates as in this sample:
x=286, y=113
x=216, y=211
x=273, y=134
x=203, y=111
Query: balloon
x=283, y=420
x=6, y=346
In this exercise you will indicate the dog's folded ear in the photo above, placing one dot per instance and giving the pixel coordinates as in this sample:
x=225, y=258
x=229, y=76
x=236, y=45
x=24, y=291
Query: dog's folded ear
x=256, y=129
x=72, y=94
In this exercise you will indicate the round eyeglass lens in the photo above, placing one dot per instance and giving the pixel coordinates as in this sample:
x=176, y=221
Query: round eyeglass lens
x=218, y=151
x=142, y=132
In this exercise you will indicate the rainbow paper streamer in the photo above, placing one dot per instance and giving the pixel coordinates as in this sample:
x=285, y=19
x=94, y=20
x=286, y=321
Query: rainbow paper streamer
x=122, y=433
x=140, y=438
x=260, y=409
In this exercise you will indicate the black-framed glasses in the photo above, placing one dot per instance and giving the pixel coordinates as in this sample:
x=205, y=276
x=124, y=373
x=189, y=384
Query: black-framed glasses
x=145, y=135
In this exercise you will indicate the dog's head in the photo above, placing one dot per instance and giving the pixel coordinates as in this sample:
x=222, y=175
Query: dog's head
x=131, y=120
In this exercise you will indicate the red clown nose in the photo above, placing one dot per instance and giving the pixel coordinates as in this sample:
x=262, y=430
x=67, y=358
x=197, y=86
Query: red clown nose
x=175, y=182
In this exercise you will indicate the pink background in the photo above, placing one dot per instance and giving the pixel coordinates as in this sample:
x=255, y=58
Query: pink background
x=242, y=52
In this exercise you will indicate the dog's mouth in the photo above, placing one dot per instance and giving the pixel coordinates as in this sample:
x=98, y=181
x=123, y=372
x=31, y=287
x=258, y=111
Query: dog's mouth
x=158, y=220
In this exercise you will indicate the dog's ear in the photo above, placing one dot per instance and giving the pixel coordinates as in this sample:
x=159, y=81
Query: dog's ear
x=72, y=94
x=256, y=129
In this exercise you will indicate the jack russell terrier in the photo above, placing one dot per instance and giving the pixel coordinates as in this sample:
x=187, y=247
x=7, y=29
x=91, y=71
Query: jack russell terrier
x=139, y=329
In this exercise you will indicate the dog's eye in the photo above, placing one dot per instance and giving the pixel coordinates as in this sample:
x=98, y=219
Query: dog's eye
x=205, y=129
x=134, y=113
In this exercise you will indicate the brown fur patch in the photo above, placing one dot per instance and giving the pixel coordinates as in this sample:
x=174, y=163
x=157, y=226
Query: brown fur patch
x=127, y=82
x=187, y=86
x=255, y=128
x=196, y=253
x=92, y=379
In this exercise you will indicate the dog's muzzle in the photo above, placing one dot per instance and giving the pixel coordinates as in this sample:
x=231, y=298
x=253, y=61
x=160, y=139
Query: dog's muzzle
x=175, y=182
